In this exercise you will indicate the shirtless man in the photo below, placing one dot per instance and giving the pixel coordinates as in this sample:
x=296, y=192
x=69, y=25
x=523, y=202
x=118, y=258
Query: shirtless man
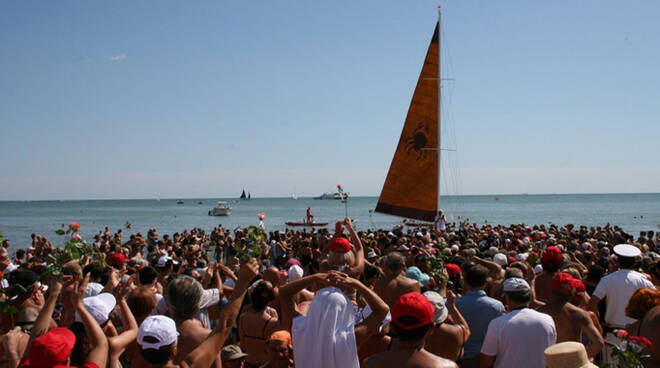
x=412, y=321
x=550, y=262
x=571, y=321
x=394, y=283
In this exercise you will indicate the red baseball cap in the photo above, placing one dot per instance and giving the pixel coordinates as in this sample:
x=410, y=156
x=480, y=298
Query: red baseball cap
x=578, y=285
x=340, y=245
x=563, y=282
x=414, y=305
x=552, y=255
x=453, y=269
x=117, y=259
x=51, y=349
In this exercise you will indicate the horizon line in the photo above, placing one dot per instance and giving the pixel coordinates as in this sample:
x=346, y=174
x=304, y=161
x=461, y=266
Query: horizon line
x=305, y=197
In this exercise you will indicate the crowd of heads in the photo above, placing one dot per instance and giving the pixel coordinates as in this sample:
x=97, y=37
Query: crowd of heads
x=166, y=281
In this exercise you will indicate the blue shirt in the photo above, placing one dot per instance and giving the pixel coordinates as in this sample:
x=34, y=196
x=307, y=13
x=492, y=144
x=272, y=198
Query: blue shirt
x=478, y=309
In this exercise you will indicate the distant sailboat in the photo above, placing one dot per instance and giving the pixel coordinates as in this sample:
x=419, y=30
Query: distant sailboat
x=243, y=196
x=412, y=186
x=249, y=196
x=294, y=195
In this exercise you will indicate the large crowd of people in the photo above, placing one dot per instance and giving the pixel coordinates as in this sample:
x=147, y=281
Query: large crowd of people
x=459, y=295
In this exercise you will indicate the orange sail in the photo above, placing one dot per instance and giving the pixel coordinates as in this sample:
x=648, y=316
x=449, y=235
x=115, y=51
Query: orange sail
x=411, y=187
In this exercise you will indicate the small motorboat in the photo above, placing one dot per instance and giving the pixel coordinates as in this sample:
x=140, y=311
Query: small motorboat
x=179, y=201
x=221, y=209
x=308, y=224
x=419, y=224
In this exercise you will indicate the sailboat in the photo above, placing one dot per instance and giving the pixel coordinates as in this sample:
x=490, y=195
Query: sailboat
x=243, y=196
x=294, y=195
x=411, y=187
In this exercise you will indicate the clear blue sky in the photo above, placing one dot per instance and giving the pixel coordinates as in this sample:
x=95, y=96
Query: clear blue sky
x=138, y=99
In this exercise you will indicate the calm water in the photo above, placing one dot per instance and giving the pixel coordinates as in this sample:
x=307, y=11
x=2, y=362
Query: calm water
x=633, y=212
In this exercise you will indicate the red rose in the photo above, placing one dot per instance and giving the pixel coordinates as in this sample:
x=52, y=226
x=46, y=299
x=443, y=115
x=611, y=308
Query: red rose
x=641, y=341
x=339, y=186
x=74, y=226
x=622, y=334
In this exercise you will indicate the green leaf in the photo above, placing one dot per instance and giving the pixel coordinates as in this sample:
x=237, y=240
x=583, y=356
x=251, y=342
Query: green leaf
x=60, y=232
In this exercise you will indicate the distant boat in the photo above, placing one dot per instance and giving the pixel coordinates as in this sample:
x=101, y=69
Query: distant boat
x=179, y=201
x=200, y=202
x=249, y=196
x=306, y=224
x=221, y=209
x=243, y=196
x=497, y=198
x=335, y=195
x=294, y=195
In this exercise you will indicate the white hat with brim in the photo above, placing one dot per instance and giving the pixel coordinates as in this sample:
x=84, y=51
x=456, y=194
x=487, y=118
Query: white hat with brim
x=515, y=284
x=99, y=307
x=162, y=261
x=567, y=354
x=161, y=328
x=627, y=250
x=440, y=311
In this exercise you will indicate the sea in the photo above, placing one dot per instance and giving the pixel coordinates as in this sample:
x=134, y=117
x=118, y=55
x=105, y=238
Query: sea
x=19, y=219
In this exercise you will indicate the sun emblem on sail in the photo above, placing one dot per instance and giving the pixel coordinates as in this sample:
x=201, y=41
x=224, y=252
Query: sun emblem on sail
x=416, y=143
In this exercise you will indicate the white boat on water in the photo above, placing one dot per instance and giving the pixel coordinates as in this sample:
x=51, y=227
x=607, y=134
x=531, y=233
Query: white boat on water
x=335, y=195
x=221, y=209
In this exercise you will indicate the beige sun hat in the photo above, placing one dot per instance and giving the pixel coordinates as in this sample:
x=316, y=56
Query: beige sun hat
x=567, y=354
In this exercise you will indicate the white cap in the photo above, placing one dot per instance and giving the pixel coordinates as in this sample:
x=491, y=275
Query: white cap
x=10, y=268
x=419, y=234
x=500, y=259
x=515, y=284
x=295, y=272
x=161, y=328
x=372, y=254
x=454, y=248
x=522, y=256
x=93, y=289
x=538, y=269
x=370, y=235
x=99, y=307
x=627, y=250
x=162, y=261
x=439, y=310
x=586, y=245
x=390, y=234
x=403, y=247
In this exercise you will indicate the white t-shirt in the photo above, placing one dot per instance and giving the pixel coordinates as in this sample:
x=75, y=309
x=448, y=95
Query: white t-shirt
x=518, y=338
x=617, y=288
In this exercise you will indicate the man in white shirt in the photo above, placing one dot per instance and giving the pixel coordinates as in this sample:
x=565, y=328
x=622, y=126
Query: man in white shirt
x=518, y=338
x=617, y=288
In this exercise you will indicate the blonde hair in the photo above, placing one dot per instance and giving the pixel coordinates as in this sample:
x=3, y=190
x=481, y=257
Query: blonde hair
x=341, y=259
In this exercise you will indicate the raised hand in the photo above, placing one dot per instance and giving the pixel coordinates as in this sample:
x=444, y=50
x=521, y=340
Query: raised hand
x=249, y=271
x=79, y=288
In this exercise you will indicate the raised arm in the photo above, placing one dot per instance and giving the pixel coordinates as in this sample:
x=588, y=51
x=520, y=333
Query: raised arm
x=288, y=291
x=494, y=268
x=457, y=316
x=99, y=351
x=358, y=268
x=378, y=307
x=45, y=315
x=119, y=343
x=204, y=355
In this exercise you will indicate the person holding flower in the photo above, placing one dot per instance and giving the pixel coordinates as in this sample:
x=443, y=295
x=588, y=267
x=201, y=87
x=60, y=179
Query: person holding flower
x=644, y=306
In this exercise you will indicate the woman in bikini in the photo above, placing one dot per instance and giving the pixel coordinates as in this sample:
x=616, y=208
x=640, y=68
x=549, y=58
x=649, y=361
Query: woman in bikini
x=257, y=322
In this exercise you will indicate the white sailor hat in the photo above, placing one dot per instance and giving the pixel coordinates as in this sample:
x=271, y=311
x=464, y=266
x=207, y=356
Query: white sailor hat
x=626, y=250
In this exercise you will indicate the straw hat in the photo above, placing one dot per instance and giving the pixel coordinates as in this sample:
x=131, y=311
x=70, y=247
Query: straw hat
x=567, y=354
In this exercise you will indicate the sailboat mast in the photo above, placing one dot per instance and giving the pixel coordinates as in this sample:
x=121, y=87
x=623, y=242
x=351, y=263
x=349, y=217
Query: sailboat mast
x=439, y=102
